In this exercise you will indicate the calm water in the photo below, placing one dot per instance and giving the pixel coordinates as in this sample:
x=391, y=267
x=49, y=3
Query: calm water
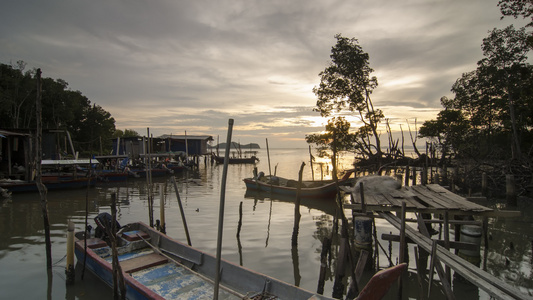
x=265, y=238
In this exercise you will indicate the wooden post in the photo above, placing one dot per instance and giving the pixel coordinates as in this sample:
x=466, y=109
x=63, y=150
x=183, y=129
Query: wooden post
x=447, y=242
x=484, y=186
x=297, y=215
x=181, y=211
x=362, y=194
x=69, y=268
x=326, y=245
x=311, y=158
x=221, y=210
x=402, y=233
x=162, y=209
x=148, y=166
x=511, y=190
x=445, y=174
x=403, y=246
x=239, y=225
x=37, y=167
x=406, y=179
x=268, y=157
x=413, y=181
x=424, y=176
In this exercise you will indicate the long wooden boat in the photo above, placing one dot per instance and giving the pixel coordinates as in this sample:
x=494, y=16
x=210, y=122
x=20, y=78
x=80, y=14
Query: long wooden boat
x=236, y=160
x=155, y=266
x=288, y=187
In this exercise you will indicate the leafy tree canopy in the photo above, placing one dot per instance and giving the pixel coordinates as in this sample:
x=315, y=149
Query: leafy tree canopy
x=346, y=85
x=88, y=124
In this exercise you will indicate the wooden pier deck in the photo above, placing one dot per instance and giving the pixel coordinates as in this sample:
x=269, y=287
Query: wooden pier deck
x=431, y=198
x=434, y=199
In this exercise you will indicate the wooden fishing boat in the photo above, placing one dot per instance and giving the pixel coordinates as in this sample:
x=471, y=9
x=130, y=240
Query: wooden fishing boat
x=288, y=187
x=155, y=266
x=236, y=160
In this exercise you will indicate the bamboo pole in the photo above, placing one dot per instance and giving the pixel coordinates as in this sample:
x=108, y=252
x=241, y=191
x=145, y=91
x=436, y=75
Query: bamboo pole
x=181, y=211
x=268, y=157
x=221, y=209
x=37, y=163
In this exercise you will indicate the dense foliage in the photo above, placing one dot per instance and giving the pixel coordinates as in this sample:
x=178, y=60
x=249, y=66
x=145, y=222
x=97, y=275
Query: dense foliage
x=491, y=114
x=90, y=126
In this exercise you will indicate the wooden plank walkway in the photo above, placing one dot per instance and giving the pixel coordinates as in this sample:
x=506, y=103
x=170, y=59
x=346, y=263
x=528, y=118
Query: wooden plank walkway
x=483, y=280
x=431, y=198
x=434, y=199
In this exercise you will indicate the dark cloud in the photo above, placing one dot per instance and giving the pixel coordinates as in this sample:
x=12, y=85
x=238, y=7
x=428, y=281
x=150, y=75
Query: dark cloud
x=190, y=65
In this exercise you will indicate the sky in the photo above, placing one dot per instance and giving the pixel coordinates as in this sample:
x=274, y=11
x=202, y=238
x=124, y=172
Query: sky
x=189, y=66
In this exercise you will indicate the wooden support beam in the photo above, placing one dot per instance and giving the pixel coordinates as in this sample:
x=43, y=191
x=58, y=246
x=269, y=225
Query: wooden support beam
x=453, y=244
x=485, y=281
x=490, y=214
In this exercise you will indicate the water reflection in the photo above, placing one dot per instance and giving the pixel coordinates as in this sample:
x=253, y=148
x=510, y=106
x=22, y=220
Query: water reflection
x=261, y=241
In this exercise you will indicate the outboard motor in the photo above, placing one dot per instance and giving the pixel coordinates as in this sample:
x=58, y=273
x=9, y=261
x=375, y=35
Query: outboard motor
x=103, y=225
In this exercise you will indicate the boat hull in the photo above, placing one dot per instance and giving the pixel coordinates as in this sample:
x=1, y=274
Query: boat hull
x=328, y=190
x=286, y=187
x=236, y=160
x=236, y=281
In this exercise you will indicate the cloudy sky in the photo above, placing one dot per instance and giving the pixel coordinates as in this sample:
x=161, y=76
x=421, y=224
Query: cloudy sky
x=177, y=66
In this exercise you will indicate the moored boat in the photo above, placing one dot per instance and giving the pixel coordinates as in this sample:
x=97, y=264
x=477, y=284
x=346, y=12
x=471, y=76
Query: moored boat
x=288, y=187
x=155, y=266
x=236, y=160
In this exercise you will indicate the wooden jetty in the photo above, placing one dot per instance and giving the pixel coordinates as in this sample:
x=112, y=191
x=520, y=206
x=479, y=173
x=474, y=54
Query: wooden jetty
x=424, y=200
x=431, y=198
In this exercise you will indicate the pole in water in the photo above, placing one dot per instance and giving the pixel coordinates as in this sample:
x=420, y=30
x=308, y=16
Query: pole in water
x=221, y=209
x=69, y=269
x=162, y=209
x=181, y=211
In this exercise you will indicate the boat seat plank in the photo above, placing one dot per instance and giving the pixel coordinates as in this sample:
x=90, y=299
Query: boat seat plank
x=132, y=236
x=142, y=262
x=94, y=243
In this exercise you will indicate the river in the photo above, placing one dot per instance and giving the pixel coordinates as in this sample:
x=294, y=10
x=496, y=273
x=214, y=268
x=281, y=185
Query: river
x=264, y=243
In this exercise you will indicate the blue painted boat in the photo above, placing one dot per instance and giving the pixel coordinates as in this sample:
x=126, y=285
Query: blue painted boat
x=155, y=266
x=326, y=189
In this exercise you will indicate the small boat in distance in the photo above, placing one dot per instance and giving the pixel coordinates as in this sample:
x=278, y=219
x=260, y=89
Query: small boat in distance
x=236, y=160
x=155, y=266
x=310, y=189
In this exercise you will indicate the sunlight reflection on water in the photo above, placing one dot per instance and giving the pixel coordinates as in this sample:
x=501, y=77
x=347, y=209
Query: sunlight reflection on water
x=265, y=236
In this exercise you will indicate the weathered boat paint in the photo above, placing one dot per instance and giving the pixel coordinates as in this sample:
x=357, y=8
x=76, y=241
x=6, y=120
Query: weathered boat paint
x=159, y=278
